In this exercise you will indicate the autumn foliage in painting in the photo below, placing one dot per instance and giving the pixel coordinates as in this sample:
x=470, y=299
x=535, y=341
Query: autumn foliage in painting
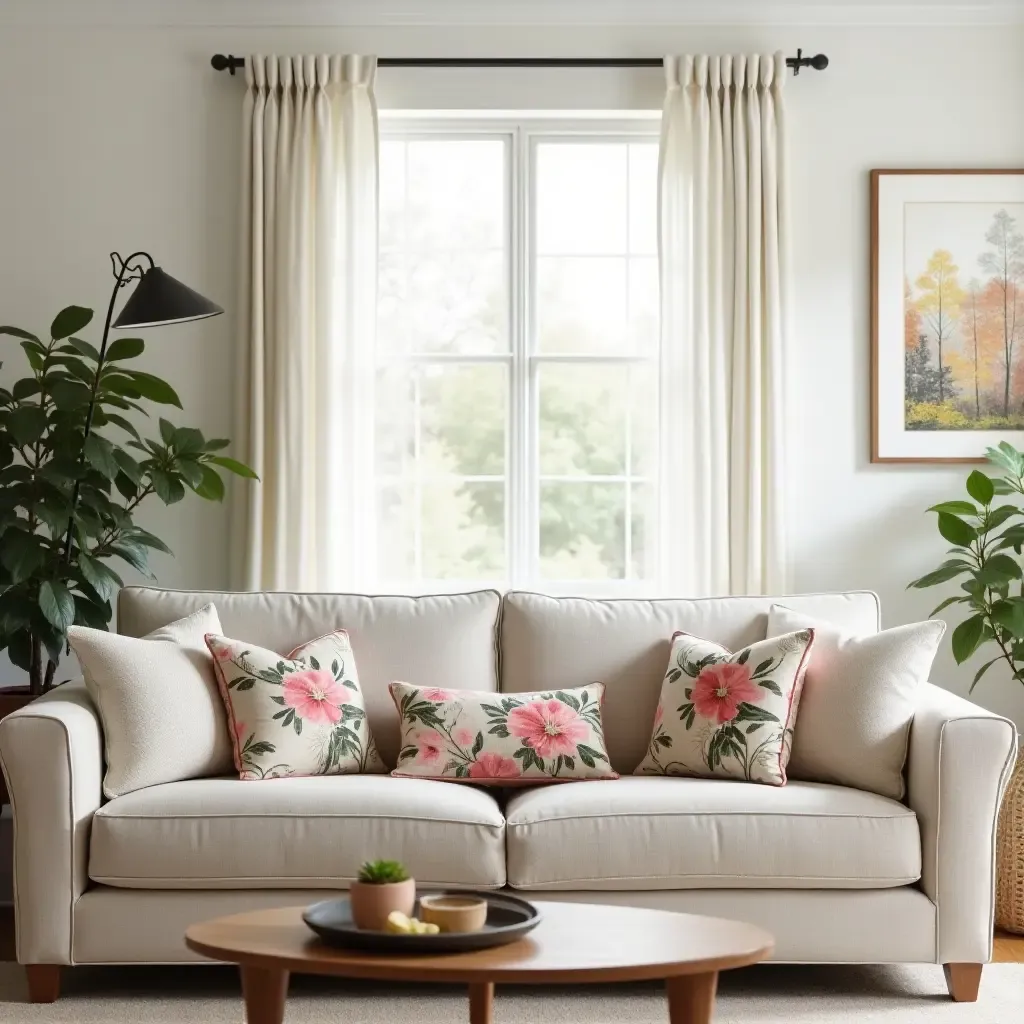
x=964, y=336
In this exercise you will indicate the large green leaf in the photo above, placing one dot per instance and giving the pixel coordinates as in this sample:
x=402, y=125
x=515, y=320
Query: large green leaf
x=25, y=388
x=980, y=488
x=83, y=348
x=212, y=487
x=167, y=429
x=168, y=488
x=957, y=508
x=967, y=637
x=102, y=578
x=136, y=533
x=125, y=425
x=981, y=671
x=128, y=465
x=189, y=441
x=68, y=321
x=955, y=530
x=100, y=454
x=17, y=332
x=69, y=395
x=125, y=348
x=191, y=472
x=941, y=575
x=153, y=388
x=57, y=604
x=21, y=554
x=234, y=466
x=134, y=554
x=1009, y=614
x=26, y=424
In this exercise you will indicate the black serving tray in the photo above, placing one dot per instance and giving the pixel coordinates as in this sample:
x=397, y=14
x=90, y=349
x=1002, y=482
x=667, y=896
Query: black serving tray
x=508, y=919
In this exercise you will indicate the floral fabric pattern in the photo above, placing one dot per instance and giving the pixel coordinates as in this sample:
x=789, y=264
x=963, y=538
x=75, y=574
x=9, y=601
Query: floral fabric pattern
x=728, y=715
x=298, y=715
x=501, y=739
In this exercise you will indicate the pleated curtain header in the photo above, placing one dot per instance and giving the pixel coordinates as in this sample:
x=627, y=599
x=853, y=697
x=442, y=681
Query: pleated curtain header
x=742, y=71
x=309, y=70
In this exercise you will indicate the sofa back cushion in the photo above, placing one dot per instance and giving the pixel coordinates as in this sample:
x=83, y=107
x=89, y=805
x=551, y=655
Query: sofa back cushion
x=548, y=643
x=446, y=640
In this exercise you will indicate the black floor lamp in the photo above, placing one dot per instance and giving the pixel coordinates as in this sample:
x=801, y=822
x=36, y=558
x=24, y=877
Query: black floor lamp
x=158, y=299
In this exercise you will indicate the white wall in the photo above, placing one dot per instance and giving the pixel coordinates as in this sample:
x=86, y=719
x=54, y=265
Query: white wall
x=126, y=138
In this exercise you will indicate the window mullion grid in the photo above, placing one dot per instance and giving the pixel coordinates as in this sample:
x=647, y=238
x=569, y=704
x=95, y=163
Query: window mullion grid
x=627, y=518
x=522, y=511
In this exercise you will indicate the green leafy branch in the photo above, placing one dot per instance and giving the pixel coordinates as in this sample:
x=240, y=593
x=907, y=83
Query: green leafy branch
x=983, y=532
x=74, y=469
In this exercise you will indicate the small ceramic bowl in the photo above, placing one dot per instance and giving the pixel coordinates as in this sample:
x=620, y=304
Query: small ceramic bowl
x=453, y=913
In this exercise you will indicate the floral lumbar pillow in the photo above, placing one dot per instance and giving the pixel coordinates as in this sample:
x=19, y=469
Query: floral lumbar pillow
x=302, y=714
x=728, y=715
x=501, y=739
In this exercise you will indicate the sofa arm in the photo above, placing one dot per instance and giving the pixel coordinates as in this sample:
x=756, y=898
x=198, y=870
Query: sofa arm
x=52, y=756
x=958, y=766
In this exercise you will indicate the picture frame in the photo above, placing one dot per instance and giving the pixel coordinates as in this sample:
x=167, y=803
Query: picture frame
x=947, y=313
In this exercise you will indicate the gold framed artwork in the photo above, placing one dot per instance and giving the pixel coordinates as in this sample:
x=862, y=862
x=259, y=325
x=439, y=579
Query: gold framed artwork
x=947, y=313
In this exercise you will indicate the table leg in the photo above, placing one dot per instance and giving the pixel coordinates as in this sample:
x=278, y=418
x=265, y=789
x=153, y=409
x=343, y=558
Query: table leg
x=481, y=1003
x=691, y=998
x=264, y=990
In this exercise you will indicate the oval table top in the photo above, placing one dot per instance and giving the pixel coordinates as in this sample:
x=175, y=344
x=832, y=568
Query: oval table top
x=574, y=942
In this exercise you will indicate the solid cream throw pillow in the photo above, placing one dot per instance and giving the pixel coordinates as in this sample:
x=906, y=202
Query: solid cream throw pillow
x=301, y=714
x=156, y=696
x=858, y=701
x=501, y=739
x=728, y=715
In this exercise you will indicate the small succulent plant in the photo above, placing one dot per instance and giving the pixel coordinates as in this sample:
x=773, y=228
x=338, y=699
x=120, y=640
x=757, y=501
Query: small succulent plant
x=383, y=872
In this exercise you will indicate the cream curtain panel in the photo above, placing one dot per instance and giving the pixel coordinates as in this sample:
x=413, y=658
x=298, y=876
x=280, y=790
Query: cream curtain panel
x=723, y=239
x=307, y=311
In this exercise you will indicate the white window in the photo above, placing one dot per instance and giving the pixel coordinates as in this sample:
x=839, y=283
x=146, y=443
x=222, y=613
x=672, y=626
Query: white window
x=517, y=355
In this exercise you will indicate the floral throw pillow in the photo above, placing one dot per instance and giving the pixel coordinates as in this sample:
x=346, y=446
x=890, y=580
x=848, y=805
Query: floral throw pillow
x=501, y=739
x=302, y=714
x=728, y=715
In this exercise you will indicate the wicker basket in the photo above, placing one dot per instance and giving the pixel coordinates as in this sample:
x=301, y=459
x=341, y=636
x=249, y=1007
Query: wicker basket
x=1010, y=855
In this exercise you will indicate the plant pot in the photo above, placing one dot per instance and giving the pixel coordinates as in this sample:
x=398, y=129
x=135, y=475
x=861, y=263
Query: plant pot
x=371, y=903
x=14, y=697
x=1010, y=855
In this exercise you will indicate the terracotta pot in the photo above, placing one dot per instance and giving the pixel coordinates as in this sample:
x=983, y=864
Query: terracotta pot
x=371, y=903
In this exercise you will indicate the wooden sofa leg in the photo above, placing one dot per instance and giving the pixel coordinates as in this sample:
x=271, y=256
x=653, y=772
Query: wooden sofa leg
x=43, y=982
x=963, y=981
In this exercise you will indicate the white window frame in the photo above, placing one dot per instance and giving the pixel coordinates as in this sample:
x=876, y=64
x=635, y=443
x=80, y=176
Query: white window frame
x=522, y=135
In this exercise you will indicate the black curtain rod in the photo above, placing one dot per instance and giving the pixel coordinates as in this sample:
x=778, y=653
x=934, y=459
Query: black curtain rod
x=220, y=62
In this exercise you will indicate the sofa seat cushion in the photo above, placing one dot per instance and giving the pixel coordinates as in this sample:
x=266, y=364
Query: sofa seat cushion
x=296, y=833
x=670, y=833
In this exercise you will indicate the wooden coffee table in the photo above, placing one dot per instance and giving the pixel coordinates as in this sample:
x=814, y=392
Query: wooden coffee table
x=575, y=943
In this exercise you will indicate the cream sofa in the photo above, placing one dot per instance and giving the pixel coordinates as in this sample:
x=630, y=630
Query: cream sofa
x=837, y=875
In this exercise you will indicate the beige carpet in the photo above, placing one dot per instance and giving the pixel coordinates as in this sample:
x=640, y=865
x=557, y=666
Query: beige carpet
x=761, y=995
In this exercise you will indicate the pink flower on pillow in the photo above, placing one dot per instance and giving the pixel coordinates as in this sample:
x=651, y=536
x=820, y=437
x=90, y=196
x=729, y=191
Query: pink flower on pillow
x=436, y=694
x=430, y=744
x=315, y=695
x=720, y=689
x=464, y=737
x=494, y=766
x=549, y=726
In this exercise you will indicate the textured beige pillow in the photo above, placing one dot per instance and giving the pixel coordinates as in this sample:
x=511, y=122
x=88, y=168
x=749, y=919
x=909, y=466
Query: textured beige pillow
x=163, y=719
x=858, y=701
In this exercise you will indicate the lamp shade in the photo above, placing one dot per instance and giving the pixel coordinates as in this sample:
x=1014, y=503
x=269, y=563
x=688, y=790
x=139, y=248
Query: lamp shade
x=161, y=299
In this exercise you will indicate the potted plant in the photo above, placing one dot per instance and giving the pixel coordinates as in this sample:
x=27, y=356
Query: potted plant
x=74, y=470
x=382, y=887
x=987, y=534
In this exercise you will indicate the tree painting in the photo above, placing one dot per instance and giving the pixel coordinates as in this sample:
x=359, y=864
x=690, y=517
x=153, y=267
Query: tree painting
x=963, y=315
